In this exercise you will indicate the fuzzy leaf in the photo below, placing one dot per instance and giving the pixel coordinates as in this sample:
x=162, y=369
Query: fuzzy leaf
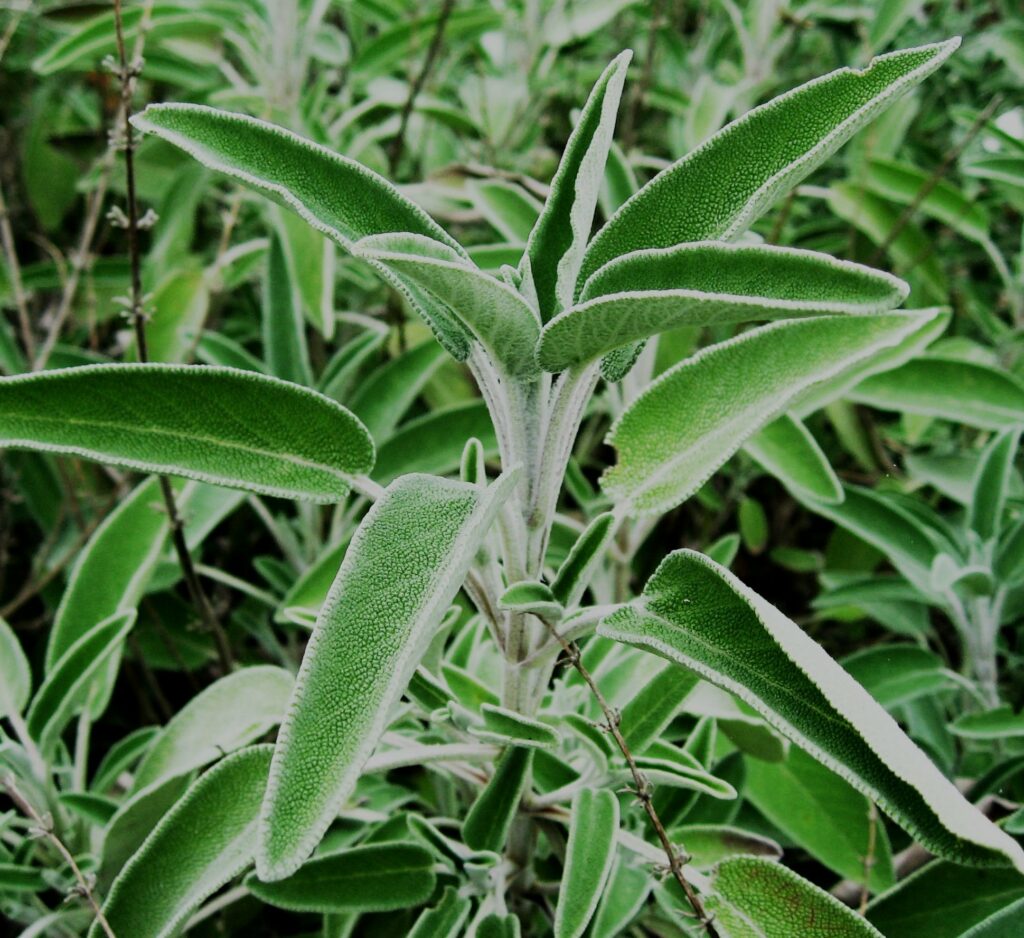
x=370, y=878
x=584, y=559
x=15, y=674
x=1001, y=723
x=531, y=597
x=232, y=712
x=648, y=292
x=444, y=919
x=593, y=830
x=720, y=188
x=697, y=614
x=786, y=449
x=218, y=425
x=759, y=898
x=509, y=209
x=65, y=690
x=495, y=314
x=558, y=241
x=399, y=576
x=991, y=483
x=506, y=726
x=284, y=328
x=696, y=415
x=203, y=842
x=651, y=709
x=490, y=818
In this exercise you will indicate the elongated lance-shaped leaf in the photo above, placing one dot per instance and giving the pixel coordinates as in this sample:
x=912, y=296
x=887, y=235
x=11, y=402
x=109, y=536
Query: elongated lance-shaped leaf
x=509, y=208
x=371, y=878
x=589, y=855
x=338, y=196
x=697, y=614
x=505, y=726
x=950, y=388
x=650, y=711
x=786, y=449
x=585, y=556
x=218, y=425
x=991, y=483
x=444, y=919
x=720, y=188
x=558, y=241
x=647, y=292
x=203, y=842
x=697, y=414
x=495, y=314
x=759, y=898
x=15, y=674
x=232, y=712
x=490, y=818
x=404, y=566
x=65, y=690
x=284, y=327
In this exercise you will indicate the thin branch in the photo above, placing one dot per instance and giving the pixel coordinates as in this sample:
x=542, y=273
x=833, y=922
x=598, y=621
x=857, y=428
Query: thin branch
x=643, y=789
x=14, y=272
x=128, y=73
x=397, y=144
x=45, y=828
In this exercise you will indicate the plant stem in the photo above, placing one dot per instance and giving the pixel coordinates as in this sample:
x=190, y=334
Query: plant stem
x=45, y=827
x=17, y=288
x=643, y=789
x=127, y=74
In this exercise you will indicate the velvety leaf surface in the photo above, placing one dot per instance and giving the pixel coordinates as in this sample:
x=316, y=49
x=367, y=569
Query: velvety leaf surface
x=992, y=482
x=218, y=425
x=490, y=818
x=697, y=414
x=721, y=187
x=589, y=855
x=699, y=615
x=786, y=449
x=400, y=574
x=204, y=841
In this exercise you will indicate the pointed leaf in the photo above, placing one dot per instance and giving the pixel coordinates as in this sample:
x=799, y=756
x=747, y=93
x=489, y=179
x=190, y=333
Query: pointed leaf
x=696, y=415
x=232, y=428
x=284, y=328
x=655, y=704
x=203, y=842
x=399, y=576
x=370, y=878
x=506, y=726
x=444, y=919
x=490, y=818
x=720, y=188
x=786, y=449
x=648, y=292
x=15, y=674
x=558, y=241
x=593, y=833
x=699, y=615
x=510, y=209
x=992, y=482
x=998, y=724
x=585, y=557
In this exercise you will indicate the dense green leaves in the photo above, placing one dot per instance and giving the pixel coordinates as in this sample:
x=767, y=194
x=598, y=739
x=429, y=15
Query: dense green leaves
x=419, y=538
x=699, y=615
x=697, y=414
x=217, y=425
x=720, y=188
x=204, y=841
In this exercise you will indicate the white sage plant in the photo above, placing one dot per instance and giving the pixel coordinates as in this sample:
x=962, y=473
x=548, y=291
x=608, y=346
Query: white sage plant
x=552, y=714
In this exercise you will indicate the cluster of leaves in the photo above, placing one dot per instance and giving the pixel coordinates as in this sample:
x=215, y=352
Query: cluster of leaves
x=391, y=642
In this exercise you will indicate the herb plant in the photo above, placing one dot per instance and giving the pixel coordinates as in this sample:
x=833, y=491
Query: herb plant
x=491, y=733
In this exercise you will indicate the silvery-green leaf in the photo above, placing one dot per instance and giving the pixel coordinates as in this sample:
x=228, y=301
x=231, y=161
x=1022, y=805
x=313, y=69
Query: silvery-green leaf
x=1000, y=723
x=508, y=727
x=649, y=712
x=509, y=208
x=992, y=482
x=310, y=258
x=787, y=450
x=709, y=844
x=720, y=188
x=490, y=818
x=558, y=241
x=232, y=712
x=755, y=898
x=696, y=415
x=950, y=388
x=699, y=615
x=593, y=833
x=531, y=597
x=218, y=425
x=491, y=311
x=203, y=842
x=284, y=327
x=622, y=899
x=15, y=674
x=898, y=674
x=444, y=919
x=585, y=557
x=65, y=690
x=370, y=878
x=337, y=196
x=647, y=292
x=419, y=539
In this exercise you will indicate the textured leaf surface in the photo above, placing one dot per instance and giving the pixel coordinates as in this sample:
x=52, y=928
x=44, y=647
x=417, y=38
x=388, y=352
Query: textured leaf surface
x=284, y=328
x=991, y=483
x=720, y=188
x=755, y=898
x=490, y=818
x=696, y=415
x=204, y=841
x=399, y=576
x=786, y=449
x=230, y=713
x=593, y=832
x=557, y=243
x=15, y=674
x=444, y=919
x=699, y=615
x=371, y=878
x=648, y=292
x=584, y=558
x=219, y=425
